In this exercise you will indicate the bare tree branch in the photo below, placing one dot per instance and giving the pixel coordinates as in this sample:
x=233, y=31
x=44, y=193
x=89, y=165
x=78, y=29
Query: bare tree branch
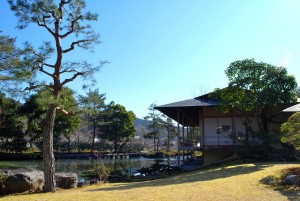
x=49, y=65
x=72, y=27
x=31, y=87
x=45, y=24
x=72, y=113
x=71, y=79
x=73, y=45
x=68, y=71
x=42, y=70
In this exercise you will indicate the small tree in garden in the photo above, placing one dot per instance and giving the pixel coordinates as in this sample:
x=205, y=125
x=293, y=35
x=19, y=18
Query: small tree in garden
x=291, y=131
x=119, y=124
x=67, y=23
x=155, y=126
x=171, y=131
x=93, y=105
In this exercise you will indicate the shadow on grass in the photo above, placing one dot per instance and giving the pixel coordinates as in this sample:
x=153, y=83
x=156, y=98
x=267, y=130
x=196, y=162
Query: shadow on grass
x=212, y=173
x=292, y=192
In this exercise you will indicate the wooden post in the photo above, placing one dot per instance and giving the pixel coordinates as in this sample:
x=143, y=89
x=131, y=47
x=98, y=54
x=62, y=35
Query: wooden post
x=183, y=139
x=201, y=128
x=178, y=138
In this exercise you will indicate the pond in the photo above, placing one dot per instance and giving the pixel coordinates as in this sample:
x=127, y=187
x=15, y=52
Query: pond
x=126, y=166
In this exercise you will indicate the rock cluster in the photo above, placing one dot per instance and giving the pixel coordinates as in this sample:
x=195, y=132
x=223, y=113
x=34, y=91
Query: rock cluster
x=32, y=180
x=21, y=180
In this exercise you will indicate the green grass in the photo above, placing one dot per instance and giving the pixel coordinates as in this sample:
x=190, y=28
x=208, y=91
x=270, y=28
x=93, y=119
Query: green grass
x=228, y=182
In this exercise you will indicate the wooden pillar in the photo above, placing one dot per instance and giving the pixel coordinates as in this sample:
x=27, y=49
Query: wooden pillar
x=193, y=135
x=187, y=133
x=183, y=137
x=178, y=138
x=201, y=128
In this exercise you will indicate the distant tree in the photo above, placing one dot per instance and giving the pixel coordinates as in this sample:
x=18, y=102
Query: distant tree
x=155, y=125
x=291, y=131
x=35, y=117
x=255, y=87
x=171, y=130
x=12, y=126
x=66, y=23
x=93, y=105
x=298, y=92
x=119, y=124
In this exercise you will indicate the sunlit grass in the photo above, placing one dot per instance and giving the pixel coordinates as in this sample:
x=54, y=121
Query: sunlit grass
x=231, y=182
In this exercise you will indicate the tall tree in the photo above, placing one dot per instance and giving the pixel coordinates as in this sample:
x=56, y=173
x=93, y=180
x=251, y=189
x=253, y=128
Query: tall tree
x=119, y=124
x=93, y=105
x=63, y=20
x=254, y=87
x=155, y=125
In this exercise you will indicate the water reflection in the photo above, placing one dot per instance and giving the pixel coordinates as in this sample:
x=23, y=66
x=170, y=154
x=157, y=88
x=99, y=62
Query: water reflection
x=125, y=166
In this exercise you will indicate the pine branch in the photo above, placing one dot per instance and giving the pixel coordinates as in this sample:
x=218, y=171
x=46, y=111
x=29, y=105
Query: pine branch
x=68, y=71
x=45, y=24
x=72, y=78
x=72, y=27
x=73, y=45
x=44, y=71
x=72, y=113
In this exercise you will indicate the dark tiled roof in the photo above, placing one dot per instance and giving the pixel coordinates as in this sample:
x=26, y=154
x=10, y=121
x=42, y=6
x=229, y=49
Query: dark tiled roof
x=191, y=109
x=201, y=101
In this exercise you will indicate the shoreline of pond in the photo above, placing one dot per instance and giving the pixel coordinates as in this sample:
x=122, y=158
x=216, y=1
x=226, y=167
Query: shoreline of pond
x=80, y=155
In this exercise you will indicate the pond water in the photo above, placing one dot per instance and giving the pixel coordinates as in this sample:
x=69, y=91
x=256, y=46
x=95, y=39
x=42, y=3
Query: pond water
x=126, y=166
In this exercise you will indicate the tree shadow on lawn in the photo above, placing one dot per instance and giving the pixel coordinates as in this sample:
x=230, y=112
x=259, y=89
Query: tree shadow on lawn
x=290, y=191
x=207, y=174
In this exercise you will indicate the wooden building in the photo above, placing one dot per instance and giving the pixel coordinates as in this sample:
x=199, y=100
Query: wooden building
x=203, y=126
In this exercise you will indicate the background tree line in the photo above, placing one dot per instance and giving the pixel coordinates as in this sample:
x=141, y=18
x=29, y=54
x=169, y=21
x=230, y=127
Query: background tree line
x=93, y=124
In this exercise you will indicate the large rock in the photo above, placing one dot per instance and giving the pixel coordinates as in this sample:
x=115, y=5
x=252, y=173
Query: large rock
x=22, y=180
x=66, y=180
x=292, y=180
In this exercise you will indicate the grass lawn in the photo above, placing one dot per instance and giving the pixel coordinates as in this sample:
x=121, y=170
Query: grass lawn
x=230, y=182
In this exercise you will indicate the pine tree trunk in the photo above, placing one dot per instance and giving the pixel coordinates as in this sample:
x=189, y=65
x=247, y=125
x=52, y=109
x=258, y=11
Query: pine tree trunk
x=48, y=157
x=157, y=144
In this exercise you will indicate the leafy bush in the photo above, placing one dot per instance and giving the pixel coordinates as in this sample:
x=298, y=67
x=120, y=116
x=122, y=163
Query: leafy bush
x=100, y=172
x=3, y=177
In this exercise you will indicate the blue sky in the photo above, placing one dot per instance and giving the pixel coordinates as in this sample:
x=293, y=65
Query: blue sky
x=170, y=50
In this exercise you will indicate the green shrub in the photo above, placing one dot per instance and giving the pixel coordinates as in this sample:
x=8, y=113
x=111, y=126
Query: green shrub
x=3, y=177
x=100, y=172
